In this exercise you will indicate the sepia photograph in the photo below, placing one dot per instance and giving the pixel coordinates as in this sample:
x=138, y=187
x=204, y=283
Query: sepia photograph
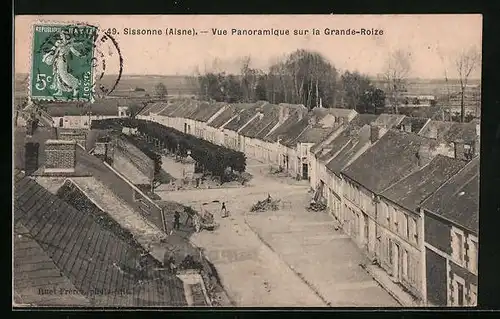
x=246, y=161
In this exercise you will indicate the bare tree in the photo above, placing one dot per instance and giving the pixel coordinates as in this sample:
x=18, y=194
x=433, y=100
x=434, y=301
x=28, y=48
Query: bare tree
x=396, y=71
x=447, y=84
x=466, y=62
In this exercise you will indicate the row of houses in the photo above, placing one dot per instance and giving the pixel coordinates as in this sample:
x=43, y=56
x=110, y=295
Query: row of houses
x=405, y=189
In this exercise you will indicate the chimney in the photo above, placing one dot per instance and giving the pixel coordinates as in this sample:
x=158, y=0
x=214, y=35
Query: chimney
x=60, y=156
x=424, y=155
x=376, y=132
x=31, y=157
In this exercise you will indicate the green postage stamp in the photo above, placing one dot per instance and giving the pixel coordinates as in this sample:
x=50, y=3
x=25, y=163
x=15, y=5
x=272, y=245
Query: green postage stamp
x=62, y=62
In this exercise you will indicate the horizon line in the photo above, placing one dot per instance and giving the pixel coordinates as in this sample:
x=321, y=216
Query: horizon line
x=374, y=77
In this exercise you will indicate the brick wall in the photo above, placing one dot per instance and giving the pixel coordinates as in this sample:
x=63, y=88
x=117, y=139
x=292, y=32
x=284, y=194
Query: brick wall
x=60, y=155
x=79, y=136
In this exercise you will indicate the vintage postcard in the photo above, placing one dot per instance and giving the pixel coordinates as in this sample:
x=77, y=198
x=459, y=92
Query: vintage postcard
x=246, y=160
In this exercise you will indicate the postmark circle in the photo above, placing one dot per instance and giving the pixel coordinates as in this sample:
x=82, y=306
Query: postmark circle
x=71, y=62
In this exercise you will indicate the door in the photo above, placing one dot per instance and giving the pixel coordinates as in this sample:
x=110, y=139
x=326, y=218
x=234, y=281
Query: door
x=305, y=171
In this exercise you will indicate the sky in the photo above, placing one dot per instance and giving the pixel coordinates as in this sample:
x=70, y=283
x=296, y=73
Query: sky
x=434, y=41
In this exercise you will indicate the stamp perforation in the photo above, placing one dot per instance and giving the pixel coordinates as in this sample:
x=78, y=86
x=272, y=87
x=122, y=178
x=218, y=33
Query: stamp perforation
x=39, y=22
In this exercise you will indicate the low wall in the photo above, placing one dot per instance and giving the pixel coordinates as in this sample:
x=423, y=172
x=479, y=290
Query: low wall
x=140, y=202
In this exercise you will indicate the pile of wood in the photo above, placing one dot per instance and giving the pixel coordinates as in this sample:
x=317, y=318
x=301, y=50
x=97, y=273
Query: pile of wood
x=316, y=206
x=266, y=205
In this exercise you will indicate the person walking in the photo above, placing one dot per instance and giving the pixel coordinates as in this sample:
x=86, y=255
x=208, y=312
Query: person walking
x=177, y=217
x=223, y=210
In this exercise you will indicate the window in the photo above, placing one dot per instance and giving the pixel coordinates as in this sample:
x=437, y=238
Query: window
x=472, y=255
x=387, y=213
x=473, y=295
x=413, y=230
x=405, y=263
x=457, y=246
x=406, y=226
x=394, y=217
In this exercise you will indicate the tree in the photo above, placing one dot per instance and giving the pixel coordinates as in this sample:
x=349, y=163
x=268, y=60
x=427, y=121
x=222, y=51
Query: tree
x=303, y=77
x=466, y=62
x=160, y=90
x=353, y=88
x=396, y=70
x=372, y=100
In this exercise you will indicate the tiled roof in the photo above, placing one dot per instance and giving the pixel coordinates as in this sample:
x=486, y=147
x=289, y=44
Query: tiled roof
x=413, y=189
x=438, y=127
x=335, y=146
x=462, y=190
x=206, y=110
x=461, y=132
x=225, y=116
x=99, y=263
x=355, y=144
x=289, y=124
x=387, y=161
x=356, y=123
x=289, y=137
x=315, y=134
x=261, y=126
x=186, y=109
x=337, y=112
x=415, y=123
x=173, y=106
x=246, y=113
x=389, y=120
x=35, y=272
x=153, y=108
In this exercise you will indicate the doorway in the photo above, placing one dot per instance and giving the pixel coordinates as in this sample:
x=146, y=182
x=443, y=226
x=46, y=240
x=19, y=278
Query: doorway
x=305, y=171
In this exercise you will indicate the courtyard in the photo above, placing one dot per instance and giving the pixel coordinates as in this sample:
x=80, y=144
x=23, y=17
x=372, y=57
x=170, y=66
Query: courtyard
x=290, y=257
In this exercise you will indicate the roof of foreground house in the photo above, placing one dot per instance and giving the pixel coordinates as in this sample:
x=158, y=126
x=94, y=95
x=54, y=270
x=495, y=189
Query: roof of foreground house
x=416, y=187
x=462, y=190
x=105, y=267
x=387, y=161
